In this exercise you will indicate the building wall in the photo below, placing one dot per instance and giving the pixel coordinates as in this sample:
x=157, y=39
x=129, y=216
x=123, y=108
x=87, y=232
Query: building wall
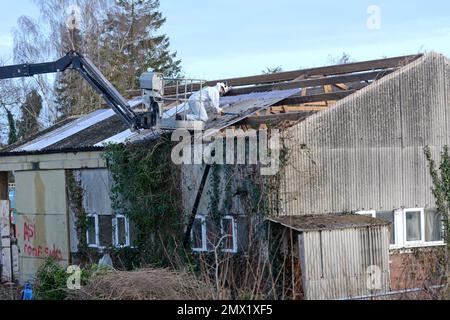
x=42, y=219
x=366, y=153
x=96, y=187
x=338, y=264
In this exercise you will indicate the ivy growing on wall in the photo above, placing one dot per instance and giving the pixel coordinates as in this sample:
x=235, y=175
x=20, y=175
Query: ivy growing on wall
x=441, y=191
x=146, y=188
x=75, y=194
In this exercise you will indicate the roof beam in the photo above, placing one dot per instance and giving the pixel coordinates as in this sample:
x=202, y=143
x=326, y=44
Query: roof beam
x=276, y=118
x=295, y=100
x=322, y=71
x=323, y=81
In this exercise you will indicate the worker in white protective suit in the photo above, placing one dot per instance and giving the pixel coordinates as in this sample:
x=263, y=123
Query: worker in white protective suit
x=205, y=100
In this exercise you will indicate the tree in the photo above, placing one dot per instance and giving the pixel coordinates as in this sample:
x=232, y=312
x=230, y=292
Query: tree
x=345, y=58
x=273, y=70
x=130, y=44
x=73, y=25
x=120, y=37
x=12, y=134
x=10, y=97
x=31, y=109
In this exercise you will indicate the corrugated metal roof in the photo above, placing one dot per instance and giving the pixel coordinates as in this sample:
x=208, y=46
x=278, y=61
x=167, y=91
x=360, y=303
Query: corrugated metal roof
x=103, y=126
x=244, y=106
x=328, y=222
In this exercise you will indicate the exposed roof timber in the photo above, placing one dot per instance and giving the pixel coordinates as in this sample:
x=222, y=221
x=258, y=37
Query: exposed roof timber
x=323, y=81
x=300, y=107
x=296, y=100
x=276, y=118
x=322, y=71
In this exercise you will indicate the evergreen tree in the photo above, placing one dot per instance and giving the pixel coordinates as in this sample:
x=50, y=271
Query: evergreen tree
x=69, y=84
x=31, y=109
x=12, y=135
x=131, y=45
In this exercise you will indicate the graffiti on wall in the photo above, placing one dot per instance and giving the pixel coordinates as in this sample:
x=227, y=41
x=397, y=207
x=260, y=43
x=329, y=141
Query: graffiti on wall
x=38, y=251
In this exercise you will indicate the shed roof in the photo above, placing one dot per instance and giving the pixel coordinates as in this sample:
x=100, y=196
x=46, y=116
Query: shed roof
x=328, y=222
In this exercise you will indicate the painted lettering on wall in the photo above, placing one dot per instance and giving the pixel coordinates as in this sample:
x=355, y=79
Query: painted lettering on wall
x=29, y=236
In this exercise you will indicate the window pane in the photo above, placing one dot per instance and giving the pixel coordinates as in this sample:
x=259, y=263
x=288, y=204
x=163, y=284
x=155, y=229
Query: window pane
x=227, y=225
x=197, y=234
x=121, y=231
x=105, y=231
x=413, y=223
x=390, y=217
x=91, y=231
x=433, y=226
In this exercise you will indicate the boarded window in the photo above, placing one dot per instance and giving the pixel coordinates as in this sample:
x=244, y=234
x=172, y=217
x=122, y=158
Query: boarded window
x=198, y=232
x=105, y=231
x=121, y=232
x=91, y=231
x=212, y=236
x=229, y=234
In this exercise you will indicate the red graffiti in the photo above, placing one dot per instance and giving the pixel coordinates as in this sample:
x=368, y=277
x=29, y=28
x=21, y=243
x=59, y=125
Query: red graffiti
x=29, y=231
x=40, y=251
x=29, y=235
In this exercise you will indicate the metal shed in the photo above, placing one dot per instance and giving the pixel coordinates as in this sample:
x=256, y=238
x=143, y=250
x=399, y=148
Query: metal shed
x=337, y=256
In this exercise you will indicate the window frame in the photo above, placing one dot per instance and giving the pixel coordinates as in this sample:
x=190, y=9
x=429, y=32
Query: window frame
x=204, y=234
x=373, y=214
x=415, y=243
x=116, y=231
x=235, y=233
x=435, y=243
x=400, y=229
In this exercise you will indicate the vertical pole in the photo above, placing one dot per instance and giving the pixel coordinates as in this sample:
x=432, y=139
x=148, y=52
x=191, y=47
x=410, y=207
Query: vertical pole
x=4, y=194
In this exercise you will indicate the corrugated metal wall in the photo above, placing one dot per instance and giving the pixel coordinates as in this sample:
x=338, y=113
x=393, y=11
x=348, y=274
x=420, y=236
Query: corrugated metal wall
x=335, y=263
x=366, y=153
x=96, y=185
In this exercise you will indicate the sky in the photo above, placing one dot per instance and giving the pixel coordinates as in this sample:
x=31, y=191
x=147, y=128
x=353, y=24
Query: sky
x=221, y=39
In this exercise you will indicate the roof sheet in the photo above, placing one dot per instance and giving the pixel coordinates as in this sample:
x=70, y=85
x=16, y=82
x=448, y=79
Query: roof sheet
x=103, y=126
x=328, y=222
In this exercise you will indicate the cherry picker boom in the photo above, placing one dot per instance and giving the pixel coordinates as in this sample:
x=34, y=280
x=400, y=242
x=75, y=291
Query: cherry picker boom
x=151, y=84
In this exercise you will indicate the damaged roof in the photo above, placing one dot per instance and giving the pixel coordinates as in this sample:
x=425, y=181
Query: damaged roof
x=328, y=222
x=253, y=100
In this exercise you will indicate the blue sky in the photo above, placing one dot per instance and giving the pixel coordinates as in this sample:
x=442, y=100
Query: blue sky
x=218, y=39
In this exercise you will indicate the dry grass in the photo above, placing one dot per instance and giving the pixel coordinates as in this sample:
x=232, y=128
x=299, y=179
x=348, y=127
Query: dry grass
x=145, y=284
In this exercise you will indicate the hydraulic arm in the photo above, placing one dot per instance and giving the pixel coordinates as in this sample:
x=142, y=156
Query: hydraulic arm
x=95, y=78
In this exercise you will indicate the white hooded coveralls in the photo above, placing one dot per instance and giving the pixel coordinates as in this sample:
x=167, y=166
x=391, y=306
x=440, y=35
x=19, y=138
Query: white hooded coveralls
x=199, y=102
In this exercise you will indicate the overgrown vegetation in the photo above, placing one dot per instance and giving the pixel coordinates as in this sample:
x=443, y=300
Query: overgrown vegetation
x=146, y=189
x=440, y=175
x=52, y=279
